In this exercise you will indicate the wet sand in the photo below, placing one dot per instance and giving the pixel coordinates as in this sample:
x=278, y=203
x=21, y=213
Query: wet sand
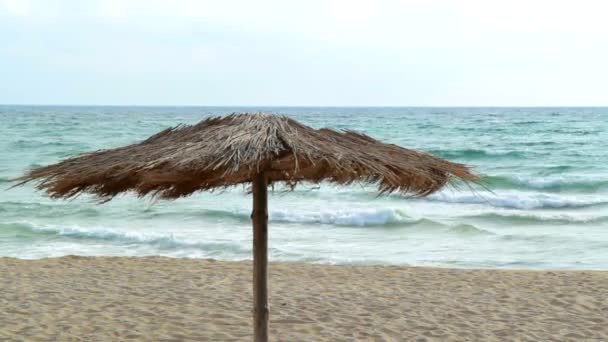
x=154, y=298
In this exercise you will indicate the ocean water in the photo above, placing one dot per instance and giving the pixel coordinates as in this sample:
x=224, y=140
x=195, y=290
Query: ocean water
x=544, y=205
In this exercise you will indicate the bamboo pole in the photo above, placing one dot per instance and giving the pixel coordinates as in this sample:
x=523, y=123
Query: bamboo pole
x=259, y=217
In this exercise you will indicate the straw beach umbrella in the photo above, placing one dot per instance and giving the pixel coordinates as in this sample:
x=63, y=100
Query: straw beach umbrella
x=257, y=148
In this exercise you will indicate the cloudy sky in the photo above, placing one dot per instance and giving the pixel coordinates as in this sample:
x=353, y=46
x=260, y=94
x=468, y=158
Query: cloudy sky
x=314, y=52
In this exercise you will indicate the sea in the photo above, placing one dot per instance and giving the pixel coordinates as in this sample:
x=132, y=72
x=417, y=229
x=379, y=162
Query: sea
x=542, y=202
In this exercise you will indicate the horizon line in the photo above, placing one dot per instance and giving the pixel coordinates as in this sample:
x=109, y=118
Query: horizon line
x=302, y=106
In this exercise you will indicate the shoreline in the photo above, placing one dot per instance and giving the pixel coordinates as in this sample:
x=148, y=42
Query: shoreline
x=315, y=263
x=151, y=298
x=310, y=263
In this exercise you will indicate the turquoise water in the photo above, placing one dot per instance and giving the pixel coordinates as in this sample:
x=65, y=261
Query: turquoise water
x=546, y=170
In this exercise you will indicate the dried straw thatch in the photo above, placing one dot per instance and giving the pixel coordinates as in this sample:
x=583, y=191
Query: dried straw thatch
x=231, y=150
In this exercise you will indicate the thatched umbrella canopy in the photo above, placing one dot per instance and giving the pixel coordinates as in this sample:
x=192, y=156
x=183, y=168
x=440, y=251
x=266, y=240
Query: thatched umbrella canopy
x=246, y=148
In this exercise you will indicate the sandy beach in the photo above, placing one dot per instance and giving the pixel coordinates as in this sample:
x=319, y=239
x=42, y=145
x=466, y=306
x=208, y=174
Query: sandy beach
x=155, y=298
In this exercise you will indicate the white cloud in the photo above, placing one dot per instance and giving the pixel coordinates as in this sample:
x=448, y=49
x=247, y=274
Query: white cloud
x=537, y=16
x=16, y=7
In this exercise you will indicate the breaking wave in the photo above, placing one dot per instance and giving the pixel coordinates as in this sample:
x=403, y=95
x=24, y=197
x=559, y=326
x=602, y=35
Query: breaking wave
x=576, y=184
x=347, y=217
x=476, y=154
x=166, y=241
x=360, y=217
x=525, y=219
x=519, y=200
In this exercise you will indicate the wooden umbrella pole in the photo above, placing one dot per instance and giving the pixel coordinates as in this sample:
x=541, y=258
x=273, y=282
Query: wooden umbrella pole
x=259, y=217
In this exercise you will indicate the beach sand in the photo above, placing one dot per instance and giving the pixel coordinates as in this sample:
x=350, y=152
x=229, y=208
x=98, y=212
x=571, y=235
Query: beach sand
x=155, y=298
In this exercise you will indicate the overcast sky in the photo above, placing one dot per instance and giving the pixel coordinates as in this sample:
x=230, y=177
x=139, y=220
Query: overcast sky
x=313, y=52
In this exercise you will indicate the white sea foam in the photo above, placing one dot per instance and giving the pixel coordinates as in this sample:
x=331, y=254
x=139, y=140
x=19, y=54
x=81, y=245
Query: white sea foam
x=354, y=216
x=561, y=181
x=161, y=241
x=351, y=217
x=518, y=200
